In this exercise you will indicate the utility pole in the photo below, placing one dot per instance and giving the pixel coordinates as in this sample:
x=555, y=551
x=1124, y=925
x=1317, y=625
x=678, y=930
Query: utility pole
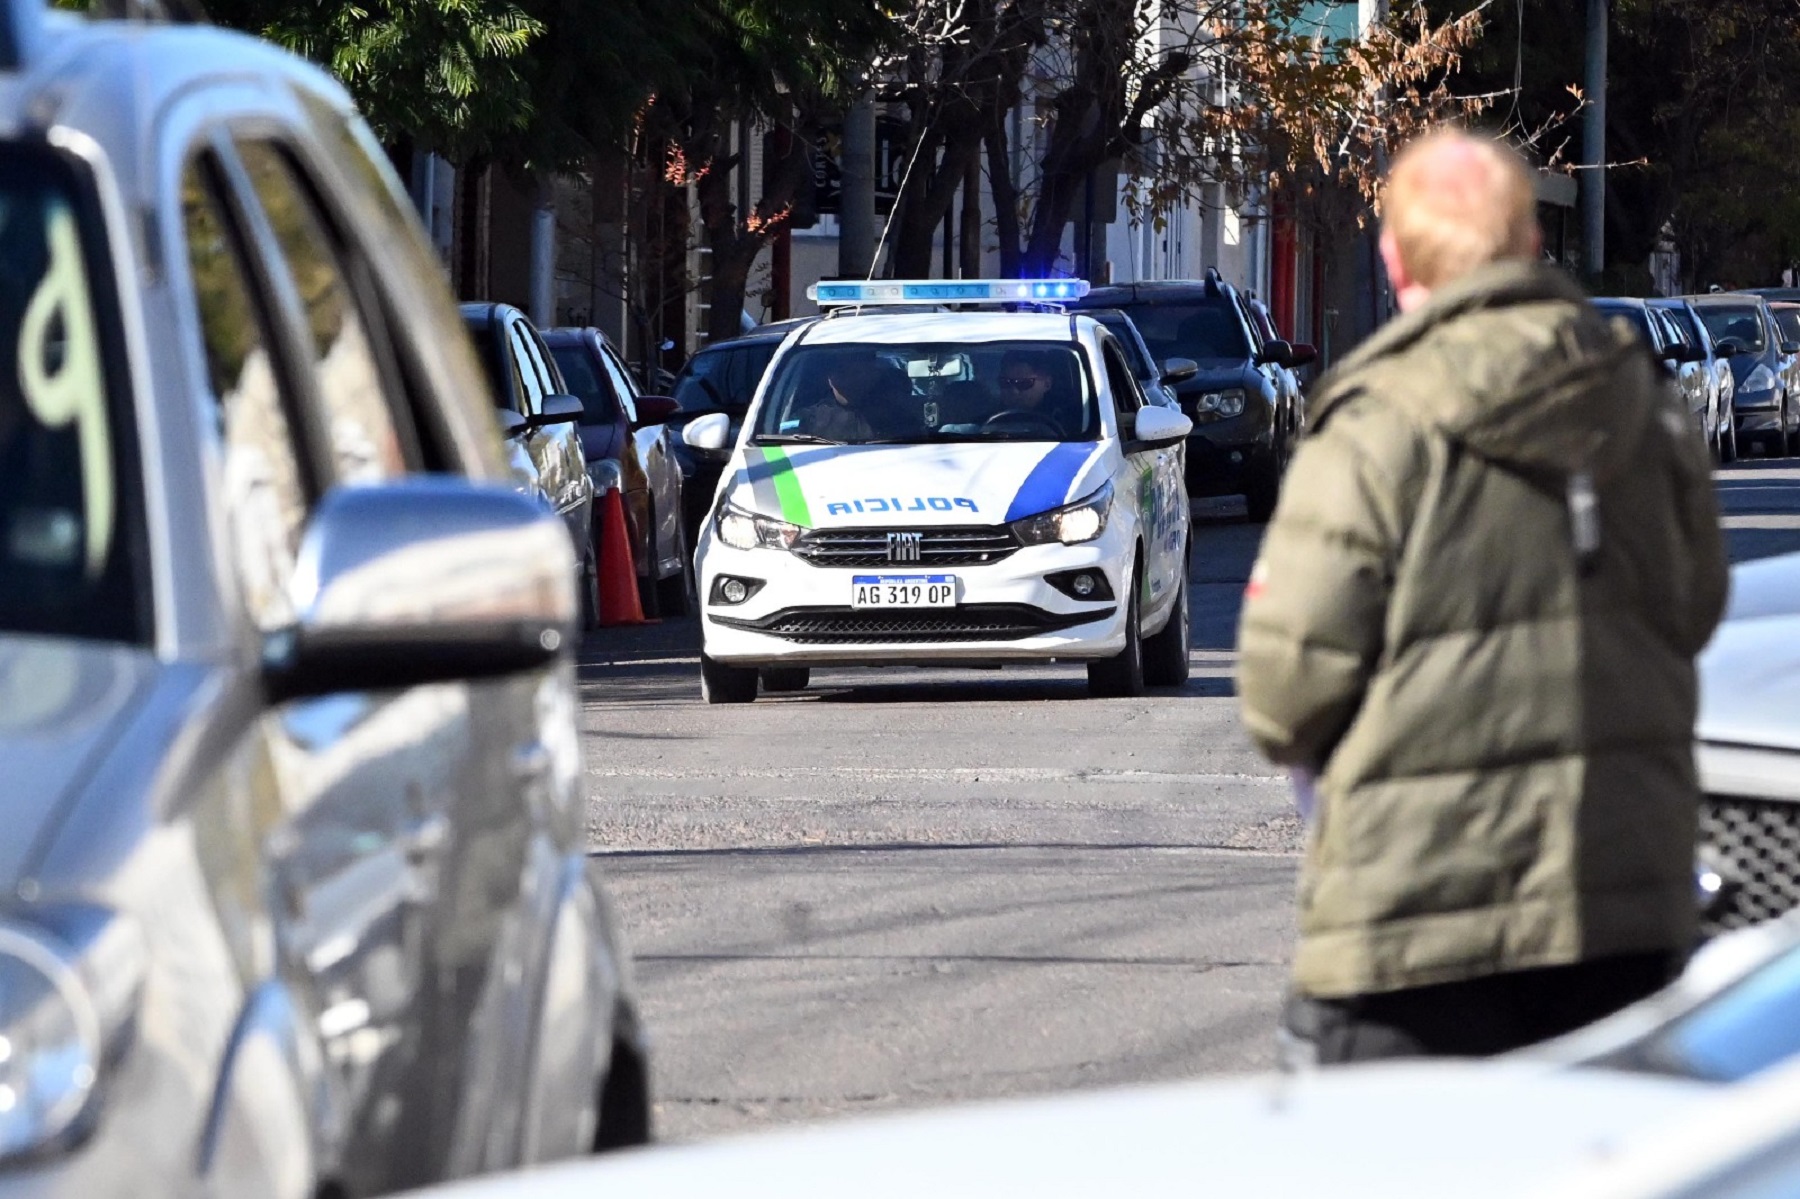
x=1593, y=144
x=856, y=212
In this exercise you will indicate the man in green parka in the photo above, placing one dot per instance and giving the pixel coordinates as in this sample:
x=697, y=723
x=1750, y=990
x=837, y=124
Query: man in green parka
x=1474, y=619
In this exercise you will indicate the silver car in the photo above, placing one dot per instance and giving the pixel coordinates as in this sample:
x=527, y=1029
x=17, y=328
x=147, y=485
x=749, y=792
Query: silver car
x=296, y=894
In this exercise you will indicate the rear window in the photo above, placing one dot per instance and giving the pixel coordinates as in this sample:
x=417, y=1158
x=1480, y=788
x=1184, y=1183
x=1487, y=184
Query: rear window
x=581, y=374
x=723, y=380
x=1191, y=329
x=70, y=539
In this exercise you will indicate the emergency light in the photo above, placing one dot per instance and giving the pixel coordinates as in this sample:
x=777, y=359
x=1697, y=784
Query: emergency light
x=948, y=291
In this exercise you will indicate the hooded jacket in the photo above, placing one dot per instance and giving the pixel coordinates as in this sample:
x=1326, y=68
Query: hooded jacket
x=1475, y=613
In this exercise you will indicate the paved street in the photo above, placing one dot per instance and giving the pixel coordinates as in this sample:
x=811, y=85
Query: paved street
x=909, y=887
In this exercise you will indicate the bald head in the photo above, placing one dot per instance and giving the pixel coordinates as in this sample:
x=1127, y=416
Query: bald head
x=1453, y=202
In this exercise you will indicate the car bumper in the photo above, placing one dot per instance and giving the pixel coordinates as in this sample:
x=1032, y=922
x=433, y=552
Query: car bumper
x=1006, y=611
x=1757, y=412
x=1221, y=467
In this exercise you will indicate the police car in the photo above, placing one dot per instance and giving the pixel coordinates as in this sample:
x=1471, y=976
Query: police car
x=973, y=487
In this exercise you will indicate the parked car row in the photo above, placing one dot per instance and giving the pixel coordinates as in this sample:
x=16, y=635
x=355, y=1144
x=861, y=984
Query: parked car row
x=1735, y=357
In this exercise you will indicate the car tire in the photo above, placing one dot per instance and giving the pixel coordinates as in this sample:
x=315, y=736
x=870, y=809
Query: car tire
x=786, y=678
x=1261, y=491
x=1122, y=675
x=722, y=684
x=1727, y=448
x=625, y=1120
x=1166, y=652
x=590, y=587
x=649, y=596
x=676, y=595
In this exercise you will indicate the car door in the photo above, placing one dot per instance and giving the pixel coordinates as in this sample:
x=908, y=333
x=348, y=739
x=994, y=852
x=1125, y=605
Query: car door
x=1149, y=476
x=661, y=473
x=365, y=780
x=555, y=449
x=516, y=861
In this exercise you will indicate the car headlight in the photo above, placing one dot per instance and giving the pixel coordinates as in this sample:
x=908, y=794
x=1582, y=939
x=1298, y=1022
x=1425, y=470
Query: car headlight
x=1229, y=402
x=1760, y=379
x=743, y=530
x=1081, y=521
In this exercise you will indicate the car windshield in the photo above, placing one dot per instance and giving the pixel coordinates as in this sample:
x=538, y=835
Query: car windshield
x=723, y=379
x=1200, y=329
x=991, y=391
x=1738, y=323
x=1639, y=318
x=582, y=376
x=69, y=550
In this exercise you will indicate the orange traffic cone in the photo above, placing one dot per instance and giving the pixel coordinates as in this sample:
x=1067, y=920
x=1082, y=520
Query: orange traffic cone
x=618, y=576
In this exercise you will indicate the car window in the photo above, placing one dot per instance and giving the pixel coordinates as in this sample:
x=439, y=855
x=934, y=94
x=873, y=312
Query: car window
x=722, y=379
x=623, y=386
x=265, y=496
x=1199, y=329
x=1119, y=380
x=359, y=411
x=587, y=383
x=929, y=392
x=1741, y=323
x=1788, y=321
x=69, y=515
x=539, y=354
x=1119, y=325
x=532, y=385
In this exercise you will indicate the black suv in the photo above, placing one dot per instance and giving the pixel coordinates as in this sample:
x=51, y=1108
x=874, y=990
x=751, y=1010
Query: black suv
x=1246, y=421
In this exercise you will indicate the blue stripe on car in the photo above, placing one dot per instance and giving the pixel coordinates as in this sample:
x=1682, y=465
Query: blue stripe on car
x=1047, y=486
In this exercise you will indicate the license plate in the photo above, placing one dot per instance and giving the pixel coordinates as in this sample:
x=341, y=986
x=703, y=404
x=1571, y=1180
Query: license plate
x=903, y=591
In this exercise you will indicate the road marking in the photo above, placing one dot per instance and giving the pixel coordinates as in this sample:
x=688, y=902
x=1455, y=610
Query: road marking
x=943, y=774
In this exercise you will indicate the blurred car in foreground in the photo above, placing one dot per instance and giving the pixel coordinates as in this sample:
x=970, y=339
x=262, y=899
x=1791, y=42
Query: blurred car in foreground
x=297, y=899
x=1749, y=747
x=628, y=444
x=1763, y=409
x=541, y=422
x=1469, y=1129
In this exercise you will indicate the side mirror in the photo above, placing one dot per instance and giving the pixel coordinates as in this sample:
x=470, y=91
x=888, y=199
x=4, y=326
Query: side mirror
x=1278, y=352
x=1304, y=353
x=1726, y=349
x=1152, y=428
x=654, y=410
x=559, y=410
x=430, y=580
x=1179, y=370
x=1790, y=347
x=511, y=423
x=707, y=432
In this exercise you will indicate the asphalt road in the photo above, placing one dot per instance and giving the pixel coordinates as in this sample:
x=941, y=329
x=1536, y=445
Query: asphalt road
x=908, y=887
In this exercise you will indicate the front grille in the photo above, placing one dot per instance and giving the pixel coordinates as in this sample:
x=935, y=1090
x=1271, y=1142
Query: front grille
x=938, y=626
x=972, y=545
x=1754, y=845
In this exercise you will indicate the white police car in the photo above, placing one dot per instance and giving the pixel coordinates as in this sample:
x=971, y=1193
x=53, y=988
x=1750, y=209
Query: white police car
x=953, y=487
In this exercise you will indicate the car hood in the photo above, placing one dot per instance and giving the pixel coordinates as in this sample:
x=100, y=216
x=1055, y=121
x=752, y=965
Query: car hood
x=1742, y=364
x=63, y=703
x=955, y=483
x=1750, y=672
x=1219, y=372
x=1465, y=1129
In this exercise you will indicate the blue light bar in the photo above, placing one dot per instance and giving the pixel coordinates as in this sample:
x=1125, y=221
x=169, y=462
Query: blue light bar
x=948, y=291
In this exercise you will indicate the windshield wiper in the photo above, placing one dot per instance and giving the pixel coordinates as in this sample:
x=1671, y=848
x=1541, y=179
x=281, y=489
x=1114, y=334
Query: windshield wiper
x=793, y=439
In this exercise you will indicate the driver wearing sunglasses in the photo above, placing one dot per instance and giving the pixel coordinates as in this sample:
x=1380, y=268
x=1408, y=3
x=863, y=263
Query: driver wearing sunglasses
x=1028, y=385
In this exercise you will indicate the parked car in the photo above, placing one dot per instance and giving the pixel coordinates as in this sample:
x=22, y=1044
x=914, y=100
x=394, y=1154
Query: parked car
x=297, y=894
x=1157, y=380
x=721, y=377
x=1304, y=355
x=1787, y=321
x=627, y=443
x=1748, y=748
x=1763, y=410
x=1246, y=420
x=1721, y=430
x=1683, y=358
x=541, y=423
